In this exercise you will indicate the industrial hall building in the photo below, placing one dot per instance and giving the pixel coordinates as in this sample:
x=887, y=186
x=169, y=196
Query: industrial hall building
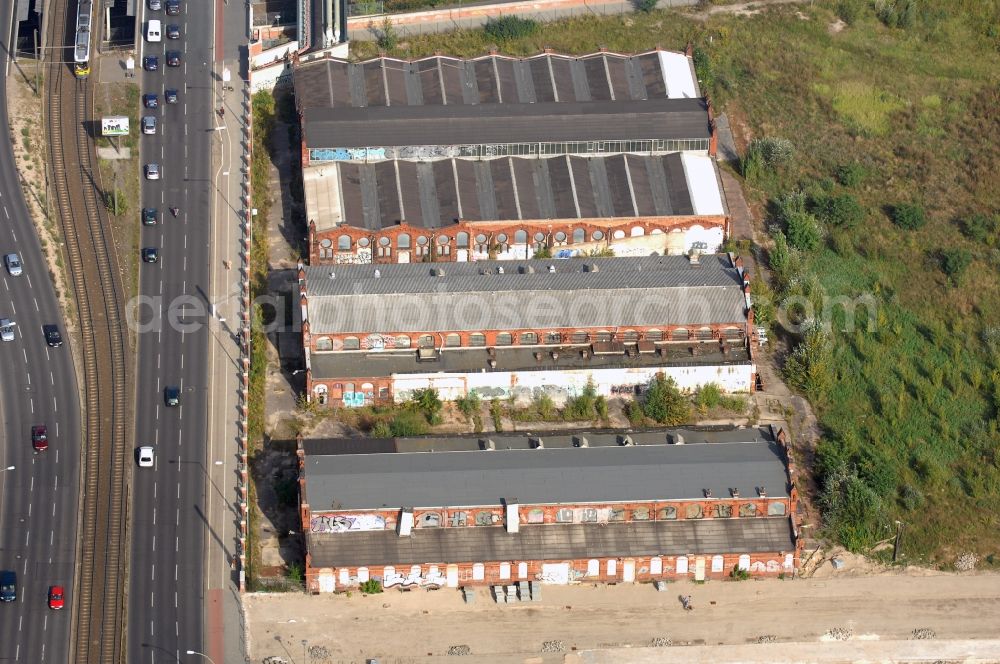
x=516, y=329
x=512, y=509
x=452, y=160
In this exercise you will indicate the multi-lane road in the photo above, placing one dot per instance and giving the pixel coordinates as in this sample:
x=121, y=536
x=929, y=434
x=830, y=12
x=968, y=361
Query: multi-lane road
x=39, y=497
x=169, y=513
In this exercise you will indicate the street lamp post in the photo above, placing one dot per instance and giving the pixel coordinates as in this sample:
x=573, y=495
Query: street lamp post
x=195, y=652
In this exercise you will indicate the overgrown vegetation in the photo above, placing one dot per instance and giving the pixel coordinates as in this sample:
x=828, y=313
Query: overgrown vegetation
x=510, y=27
x=888, y=114
x=371, y=587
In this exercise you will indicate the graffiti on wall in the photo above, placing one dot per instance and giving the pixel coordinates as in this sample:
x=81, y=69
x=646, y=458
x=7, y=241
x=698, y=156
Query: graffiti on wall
x=378, y=342
x=345, y=154
x=342, y=523
x=362, y=257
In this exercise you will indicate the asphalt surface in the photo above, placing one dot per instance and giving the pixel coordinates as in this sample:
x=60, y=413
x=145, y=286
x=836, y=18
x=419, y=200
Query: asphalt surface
x=166, y=598
x=40, y=497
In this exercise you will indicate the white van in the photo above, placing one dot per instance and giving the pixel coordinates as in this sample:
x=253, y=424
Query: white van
x=153, y=31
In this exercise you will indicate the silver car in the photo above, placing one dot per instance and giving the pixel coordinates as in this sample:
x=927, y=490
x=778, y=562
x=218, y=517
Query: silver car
x=7, y=329
x=148, y=124
x=13, y=262
x=152, y=171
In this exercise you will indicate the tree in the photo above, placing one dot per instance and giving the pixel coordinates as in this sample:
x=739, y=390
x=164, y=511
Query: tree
x=803, y=231
x=429, y=403
x=843, y=210
x=809, y=367
x=469, y=405
x=665, y=403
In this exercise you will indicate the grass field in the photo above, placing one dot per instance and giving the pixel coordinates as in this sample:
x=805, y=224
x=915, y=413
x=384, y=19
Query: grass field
x=886, y=116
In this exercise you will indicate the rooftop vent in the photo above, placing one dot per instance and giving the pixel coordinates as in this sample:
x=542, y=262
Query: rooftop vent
x=538, y=355
x=500, y=270
x=678, y=439
x=695, y=258
x=377, y=274
x=555, y=355
x=762, y=491
x=626, y=440
x=708, y=493
x=552, y=268
x=585, y=353
x=591, y=267
x=492, y=363
x=734, y=492
x=581, y=441
x=646, y=347
x=427, y=354
x=527, y=269
x=437, y=272
x=332, y=275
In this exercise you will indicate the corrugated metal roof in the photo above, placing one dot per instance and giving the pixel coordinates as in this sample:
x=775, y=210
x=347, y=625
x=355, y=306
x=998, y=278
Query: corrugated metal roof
x=494, y=79
x=553, y=542
x=483, y=124
x=543, y=476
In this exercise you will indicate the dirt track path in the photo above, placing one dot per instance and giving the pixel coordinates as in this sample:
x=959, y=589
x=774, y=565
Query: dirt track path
x=407, y=627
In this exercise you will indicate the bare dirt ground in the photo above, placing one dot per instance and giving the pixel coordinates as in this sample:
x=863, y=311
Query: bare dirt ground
x=903, y=605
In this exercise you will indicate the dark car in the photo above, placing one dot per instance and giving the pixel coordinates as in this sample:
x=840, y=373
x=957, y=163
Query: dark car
x=150, y=254
x=173, y=58
x=150, y=63
x=8, y=586
x=52, y=336
x=170, y=96
x=172, y=395
x=173, y=7
x=39, y=437
x=150, y=216
x=173, y=32
x=150, y=101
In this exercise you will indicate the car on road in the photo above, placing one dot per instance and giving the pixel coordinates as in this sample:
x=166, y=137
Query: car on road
x=173, y=32
x=148, y=124
x=150, y=63
x=173, y=7
x=52, y=335
x=7, y=329
x=13, y=263
x=172, y=395
x=153, y=33
x=152, y=171
x=147, y=458
x=8, y=586
x=173, y=58
x=57, y=597
x=170, y=96
x=156, y=5
x=150, y=100
x=149, y=216
x=39, y=437
x=150, y=254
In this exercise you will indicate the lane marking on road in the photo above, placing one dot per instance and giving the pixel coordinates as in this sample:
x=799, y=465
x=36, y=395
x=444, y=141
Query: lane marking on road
x=29, y=510
x=36, y=304
x=52, y=378
x=31, y=402
x=29, y=378
x=28, y=277
x=55, y=405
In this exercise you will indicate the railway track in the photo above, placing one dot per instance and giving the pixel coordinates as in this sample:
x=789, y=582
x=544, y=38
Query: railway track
x=99, y=599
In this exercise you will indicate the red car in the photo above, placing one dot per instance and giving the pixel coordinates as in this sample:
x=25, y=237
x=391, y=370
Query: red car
x=56, y=600
x=40, y=437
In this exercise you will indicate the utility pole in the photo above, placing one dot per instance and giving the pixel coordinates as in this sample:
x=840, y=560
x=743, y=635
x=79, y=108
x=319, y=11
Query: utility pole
x=899, y=537
x=38, y=62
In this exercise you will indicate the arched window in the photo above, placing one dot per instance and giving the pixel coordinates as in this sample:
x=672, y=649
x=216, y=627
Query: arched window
x=529, y=338
x=403, y=241
x=732, y=333
x=352, y=343
x=539, y=236
x=453, y=340
x=324, y=343
x=477, y=339
x=637, y=231
x=680, y=334
x=363, y=242
x=630, y=336
x=425, y=341
x=704, y=333
x=480, y=239
x=402, y=341
x=654, y=335
x=560, y=237
x=553, y=338
x=462, y=240
x=579, y=235
x=580, y=337
x=421, y=240
x=602, y=335
x=598, y=235
x=344, y=243
x=520, y=237
x=618, y=234
x=326, y=248
x=505, y=339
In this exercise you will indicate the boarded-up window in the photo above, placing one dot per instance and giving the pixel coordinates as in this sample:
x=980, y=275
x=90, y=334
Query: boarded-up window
x=529, y=338
x=654, y=335
x=693, y=511
x=324, y=343
x=352, y=343
x=668, y=513
x=748, y=509
x=564, y=515
x=478, y=572
x=593, y=567
x=722, y=511
x=680, y=334
x=775, y=508
x=477, y=339
x=640, y=514
x=505, y=339
x=402, y=341
x=453, y=340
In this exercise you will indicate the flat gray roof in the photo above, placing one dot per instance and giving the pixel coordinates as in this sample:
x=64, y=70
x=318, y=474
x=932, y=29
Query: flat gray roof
x=513, y=295
x=542, y=476
x=554, y=542
x=493, y=79
x=549, y=122
x=363, y=364
x=437, y=193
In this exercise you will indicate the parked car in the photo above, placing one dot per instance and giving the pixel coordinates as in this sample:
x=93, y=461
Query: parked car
x=13, y=262
x=56, y=597
x=150, y=63
x=39, y=437
x=8, y=586
x=170, y=96
x=150, y=100
x=152, y=171
x=147, y=458
x=52, y=335
x=155, y=5
x=149, y=216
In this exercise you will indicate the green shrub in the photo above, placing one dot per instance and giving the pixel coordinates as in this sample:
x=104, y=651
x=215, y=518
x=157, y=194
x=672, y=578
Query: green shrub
x=664, y=402
x=469, y=405
x=381, y=429
x=645, y=6
x=582, y=407
x=803, y=231
x=738, y=574
x=853, y=512
x=765, y=155
x=295, y=572
x=809, y=367
x=496, y=414
x=428, y=403
x=386, y=37
x=764, y=309
x=510, y=27
x=954, y=263
x=371, y=587
x=407, y=423
x=601, y=407
x=897, y=13
x=851, y=174
x=849, y=11
x=703, y=68
x=908, y=215
x=842, y=210
x=982, y=228
x=633, y=411
x=711, y=396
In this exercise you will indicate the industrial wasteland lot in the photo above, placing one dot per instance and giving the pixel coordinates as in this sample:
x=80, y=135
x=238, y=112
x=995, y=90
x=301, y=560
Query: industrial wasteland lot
x=551, y=331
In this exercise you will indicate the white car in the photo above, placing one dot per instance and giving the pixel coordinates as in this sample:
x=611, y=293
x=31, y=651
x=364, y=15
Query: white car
x=152, y=171
x=7, y=329
x=146, y=457
x=153, y=33
x=13, y=262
